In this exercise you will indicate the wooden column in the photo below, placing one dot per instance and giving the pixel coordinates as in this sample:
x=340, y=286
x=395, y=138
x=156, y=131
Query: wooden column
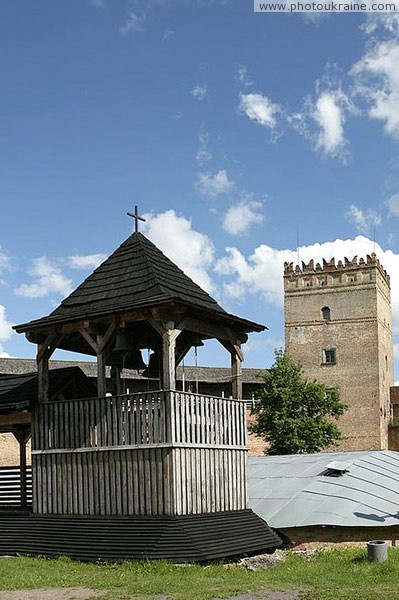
x=44, y=351
x=169, y=333
x=22, y=436
x=168, y=357
x=236, y=382
x=233, y=345
x=101, y=380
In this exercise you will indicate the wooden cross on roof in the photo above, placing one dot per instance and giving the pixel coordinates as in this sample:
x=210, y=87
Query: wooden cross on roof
x=136, y=218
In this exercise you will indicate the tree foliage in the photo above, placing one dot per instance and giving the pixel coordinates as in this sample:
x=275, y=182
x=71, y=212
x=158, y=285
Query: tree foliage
x=295, y=415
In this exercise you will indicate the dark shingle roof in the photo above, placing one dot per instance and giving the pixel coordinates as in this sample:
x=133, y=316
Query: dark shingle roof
x=136, y=275
x=24, y=366
x=22, y=390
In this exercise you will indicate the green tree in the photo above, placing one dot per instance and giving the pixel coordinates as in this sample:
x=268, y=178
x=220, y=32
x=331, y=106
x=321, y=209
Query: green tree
x=295, y=415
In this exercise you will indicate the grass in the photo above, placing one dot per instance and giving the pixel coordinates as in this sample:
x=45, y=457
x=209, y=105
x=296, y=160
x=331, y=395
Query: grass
x=336, y=574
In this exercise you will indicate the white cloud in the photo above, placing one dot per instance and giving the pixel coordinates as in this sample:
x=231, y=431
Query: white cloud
x=241, y=216
x=364, y=221
x=4, y=263
x=393, y=205
x=191, y=250
x=90, y=261
x=199, y=92
x=134, y=23
x=5, y=331
x=242, y=76
x=329, y=114
x=260, y=109
x=203, y=155
x=377, y=81
x=48, y=279
x=214, y=185
x=262, y=271
x=5, y=325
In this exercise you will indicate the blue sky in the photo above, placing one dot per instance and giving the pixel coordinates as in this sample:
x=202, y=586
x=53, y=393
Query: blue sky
x=234, y=132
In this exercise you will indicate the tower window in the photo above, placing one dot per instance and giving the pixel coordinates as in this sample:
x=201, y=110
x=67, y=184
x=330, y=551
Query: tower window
x=330, y=356
x=326, y=312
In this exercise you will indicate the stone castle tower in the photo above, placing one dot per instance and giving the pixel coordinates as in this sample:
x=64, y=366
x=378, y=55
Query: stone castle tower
x=338, y=326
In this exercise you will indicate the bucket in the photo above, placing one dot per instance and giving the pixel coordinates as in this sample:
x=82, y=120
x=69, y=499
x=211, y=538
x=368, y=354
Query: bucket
x=377, y=551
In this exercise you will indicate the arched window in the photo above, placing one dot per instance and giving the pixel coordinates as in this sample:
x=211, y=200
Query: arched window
x=325, y=311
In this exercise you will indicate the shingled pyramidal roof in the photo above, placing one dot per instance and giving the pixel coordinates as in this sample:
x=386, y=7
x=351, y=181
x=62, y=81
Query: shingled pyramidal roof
x=136, y=275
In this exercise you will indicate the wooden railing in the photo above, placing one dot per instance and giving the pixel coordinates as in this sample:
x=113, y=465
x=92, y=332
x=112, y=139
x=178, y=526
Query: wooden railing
x=204, y=420
x=144, y=419
x=155, y=453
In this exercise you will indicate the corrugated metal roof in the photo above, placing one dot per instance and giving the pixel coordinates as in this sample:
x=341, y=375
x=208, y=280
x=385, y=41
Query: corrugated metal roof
x=293, y=491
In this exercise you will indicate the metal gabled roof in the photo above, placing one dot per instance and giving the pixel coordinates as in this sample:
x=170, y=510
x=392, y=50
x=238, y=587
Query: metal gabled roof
x=294, y=491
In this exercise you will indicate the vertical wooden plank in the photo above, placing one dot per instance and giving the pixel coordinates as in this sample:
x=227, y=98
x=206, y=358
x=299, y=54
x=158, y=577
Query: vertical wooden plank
x=123, y=505
x=136, y=482
x=101, y=482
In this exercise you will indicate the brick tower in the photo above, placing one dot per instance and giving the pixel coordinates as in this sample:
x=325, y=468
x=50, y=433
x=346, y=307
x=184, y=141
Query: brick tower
x=338, y=326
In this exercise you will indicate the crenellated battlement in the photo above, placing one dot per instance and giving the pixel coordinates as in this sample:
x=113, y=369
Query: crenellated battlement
x=332, y=272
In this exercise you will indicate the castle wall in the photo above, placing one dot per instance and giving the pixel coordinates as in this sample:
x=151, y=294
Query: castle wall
x=358, y=330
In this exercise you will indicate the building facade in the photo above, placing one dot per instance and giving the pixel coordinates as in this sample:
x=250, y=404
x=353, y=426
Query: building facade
x=338, y=326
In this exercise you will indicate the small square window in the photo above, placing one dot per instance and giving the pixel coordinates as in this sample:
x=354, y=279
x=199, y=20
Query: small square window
x=330, y=356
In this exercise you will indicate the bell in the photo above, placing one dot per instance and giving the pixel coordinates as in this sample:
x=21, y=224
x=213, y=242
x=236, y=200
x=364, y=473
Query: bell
x=123, y=341
x=153, y=366
x=133, y=360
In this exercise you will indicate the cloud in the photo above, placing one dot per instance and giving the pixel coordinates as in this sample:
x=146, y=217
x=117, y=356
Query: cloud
x=377, y=81
x=5, y=325
x=393, y=205
x=203, y=155
x=364, y=221
x=191, y=250
x=214, y=185
x=329, y=114
x=5, y=331
x=97, y=3
x=240, y=217
x=48, y=279
x=199, y=92
x=4, y=263
x=134, y=23
x=262, y=271
x=90, y=261
x=259, y=109
x=242, y=76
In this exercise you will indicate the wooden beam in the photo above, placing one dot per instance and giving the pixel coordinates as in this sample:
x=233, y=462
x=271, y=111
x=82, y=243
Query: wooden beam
x=106, y=338
x=211, y=330
x=49, y=345
x=16, y=418
x=232, y=348
x=89, y=339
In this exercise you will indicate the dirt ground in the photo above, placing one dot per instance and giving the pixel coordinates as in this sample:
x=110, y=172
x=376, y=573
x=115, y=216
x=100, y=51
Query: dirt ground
x=86, y=594
x=52, y=594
